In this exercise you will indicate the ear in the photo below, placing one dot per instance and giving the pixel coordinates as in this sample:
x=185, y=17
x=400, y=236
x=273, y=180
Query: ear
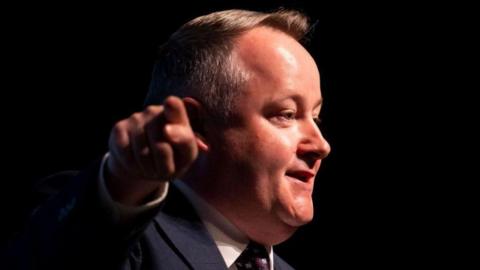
x=197, y=116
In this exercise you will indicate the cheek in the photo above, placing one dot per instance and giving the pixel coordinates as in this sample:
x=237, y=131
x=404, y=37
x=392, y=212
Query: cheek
x=260, y=150
x=273, y=149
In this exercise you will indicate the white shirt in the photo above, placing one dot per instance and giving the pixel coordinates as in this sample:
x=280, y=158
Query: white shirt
x=229, y=239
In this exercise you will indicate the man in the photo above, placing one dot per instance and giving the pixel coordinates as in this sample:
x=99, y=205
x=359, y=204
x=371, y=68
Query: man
x=225, y=167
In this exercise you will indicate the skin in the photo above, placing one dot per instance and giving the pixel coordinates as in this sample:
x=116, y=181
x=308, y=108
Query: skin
x=259, y=171
x=148, y=149
x=264, y=165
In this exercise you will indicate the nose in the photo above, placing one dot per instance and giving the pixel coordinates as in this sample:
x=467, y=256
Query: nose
x=313, y=145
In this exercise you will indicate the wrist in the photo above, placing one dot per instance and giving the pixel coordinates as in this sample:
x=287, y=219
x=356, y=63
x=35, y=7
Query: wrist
x=127, y=189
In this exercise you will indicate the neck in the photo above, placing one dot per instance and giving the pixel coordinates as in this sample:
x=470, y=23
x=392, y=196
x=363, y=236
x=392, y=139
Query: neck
x=214, y=186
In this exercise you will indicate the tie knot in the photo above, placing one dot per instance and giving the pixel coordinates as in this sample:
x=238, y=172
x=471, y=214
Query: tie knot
x=254, y=257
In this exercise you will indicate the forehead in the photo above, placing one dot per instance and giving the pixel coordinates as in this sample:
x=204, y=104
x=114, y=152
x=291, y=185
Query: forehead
x=276, y=64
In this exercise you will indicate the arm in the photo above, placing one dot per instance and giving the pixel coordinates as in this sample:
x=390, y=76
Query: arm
x=146, y=151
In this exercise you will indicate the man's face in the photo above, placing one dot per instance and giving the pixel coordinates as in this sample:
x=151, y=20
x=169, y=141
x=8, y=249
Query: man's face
x=271, y=153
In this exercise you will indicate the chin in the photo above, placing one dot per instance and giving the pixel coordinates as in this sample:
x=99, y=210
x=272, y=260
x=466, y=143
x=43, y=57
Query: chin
x=299, y=216
x=275, y=233
x=298, y=221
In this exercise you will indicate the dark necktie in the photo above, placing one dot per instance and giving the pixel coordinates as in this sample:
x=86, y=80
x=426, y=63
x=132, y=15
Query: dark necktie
x=254, y=257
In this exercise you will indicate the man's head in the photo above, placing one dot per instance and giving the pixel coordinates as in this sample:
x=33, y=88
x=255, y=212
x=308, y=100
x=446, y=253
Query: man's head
x=258, y=166
x=197, y=59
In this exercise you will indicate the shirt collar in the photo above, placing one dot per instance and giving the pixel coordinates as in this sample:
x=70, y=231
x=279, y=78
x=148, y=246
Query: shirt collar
x=229, y=239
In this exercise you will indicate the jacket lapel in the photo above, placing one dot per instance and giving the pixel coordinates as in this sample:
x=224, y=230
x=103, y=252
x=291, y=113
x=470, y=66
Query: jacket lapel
x=280, y=264
x=186, y=231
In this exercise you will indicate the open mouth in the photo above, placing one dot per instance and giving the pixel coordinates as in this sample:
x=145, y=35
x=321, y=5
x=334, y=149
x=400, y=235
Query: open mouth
x=303, y=176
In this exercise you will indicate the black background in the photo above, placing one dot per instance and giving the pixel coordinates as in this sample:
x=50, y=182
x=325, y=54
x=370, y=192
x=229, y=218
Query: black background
x=76, y=69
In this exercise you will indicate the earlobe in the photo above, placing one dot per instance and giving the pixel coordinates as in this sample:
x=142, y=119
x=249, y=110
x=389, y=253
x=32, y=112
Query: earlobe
x=197, y=116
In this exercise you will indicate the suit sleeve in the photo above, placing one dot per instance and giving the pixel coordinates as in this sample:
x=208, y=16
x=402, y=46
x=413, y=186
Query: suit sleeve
x=74, y=230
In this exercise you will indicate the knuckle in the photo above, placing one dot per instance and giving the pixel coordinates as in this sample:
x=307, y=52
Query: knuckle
x=170, y=99
x=118, y=135
x=119, y=127
x=136, y=118
x=152, y=109
x=178, y=134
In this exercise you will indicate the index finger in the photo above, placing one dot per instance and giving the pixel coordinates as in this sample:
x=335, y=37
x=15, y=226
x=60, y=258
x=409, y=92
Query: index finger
x=175, y=111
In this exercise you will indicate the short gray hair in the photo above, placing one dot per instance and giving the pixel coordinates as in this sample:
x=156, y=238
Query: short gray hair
x=197, y=61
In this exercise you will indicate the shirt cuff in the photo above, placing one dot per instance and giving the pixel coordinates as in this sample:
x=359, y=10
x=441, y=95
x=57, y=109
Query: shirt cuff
x=123, y=213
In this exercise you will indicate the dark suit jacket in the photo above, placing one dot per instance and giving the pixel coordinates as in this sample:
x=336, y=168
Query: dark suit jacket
x=71, y=231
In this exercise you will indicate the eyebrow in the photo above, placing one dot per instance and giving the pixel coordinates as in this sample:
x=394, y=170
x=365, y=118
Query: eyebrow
x=298, y=98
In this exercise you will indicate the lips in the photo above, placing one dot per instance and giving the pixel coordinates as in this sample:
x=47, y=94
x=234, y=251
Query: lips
x=301, y=175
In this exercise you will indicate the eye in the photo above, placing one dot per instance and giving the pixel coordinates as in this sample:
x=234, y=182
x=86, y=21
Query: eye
x=287, y=115
x=284, y=118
